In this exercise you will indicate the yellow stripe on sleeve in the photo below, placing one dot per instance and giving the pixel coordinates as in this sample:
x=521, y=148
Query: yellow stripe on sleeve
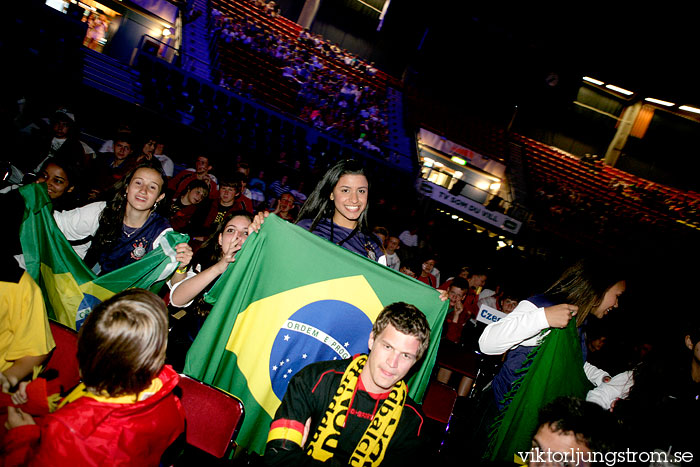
x=286, y=434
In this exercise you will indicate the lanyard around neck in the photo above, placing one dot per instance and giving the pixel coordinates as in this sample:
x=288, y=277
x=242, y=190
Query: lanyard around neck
x=352, y=234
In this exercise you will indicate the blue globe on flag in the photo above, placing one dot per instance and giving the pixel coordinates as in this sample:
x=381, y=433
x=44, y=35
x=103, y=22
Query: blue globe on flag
x=322, y=330
x=86, y=306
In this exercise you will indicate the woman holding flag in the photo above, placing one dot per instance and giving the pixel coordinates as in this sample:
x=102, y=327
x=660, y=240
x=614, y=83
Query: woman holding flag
x=337, y=210
x=212, y=258
x=111, y=234
x=209, y=263
x=544, y=352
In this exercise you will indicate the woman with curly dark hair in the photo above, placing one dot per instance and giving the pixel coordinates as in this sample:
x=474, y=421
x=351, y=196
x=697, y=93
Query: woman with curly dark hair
x=112, y=234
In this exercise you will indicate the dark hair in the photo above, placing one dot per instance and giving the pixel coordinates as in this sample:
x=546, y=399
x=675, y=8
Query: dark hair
x=477, y=271
x=319, y=205
x=68, y=165
x=231, y=181
x=413, y=265
x=585, y=283
x=146, y=137
x=197, y=183
x=460, y=283
x=74, y=178
x=407, y=319
x=210, y=252
x=590, y=423
x=381, y=230
x=124, y=136
x=208, y=157
x=239, y=177
x=427, y=256
x=122, y=344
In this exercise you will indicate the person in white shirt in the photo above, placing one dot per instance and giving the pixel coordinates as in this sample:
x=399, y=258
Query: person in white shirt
x=391, y=258
x=165, y=161
x=586, y=288
x=409, y=237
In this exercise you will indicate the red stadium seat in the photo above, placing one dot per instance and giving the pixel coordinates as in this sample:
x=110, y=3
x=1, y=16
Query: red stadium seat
x=439, y=402
x=64, y=357
x=212, y=416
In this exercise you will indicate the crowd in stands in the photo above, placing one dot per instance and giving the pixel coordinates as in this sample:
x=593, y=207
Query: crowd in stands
x=649, y=194
x=558, y=202
x=586, y=197
x=326, y=97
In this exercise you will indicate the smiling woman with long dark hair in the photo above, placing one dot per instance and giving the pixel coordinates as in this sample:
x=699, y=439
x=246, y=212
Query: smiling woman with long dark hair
x=337, y=209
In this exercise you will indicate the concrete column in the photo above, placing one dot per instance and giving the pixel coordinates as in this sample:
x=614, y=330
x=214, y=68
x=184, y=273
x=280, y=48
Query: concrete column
x=308, y=13
x=623, y=131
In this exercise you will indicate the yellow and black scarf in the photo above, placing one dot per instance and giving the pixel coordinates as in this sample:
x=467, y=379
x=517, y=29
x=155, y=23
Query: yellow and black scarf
x=372, y=446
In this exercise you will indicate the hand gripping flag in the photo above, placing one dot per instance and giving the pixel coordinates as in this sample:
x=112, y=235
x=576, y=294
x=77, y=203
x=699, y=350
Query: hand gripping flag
x=552, y=369
x=70, y=289
x=290, y=299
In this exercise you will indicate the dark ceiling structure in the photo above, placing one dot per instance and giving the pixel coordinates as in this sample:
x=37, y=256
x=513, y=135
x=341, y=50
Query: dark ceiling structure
x=507, y=49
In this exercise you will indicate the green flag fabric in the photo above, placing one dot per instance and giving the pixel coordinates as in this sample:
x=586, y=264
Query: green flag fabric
x=552, y=369
x=70, y=289
x=290, y=299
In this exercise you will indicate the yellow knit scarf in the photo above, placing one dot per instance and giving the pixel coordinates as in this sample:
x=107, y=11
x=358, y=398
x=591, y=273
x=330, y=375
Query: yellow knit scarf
x=372, y=446
x=81, y=391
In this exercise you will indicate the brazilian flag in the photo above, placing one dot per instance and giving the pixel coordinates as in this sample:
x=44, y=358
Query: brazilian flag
x=70, y=289
x=290, y=299
x=554, y=368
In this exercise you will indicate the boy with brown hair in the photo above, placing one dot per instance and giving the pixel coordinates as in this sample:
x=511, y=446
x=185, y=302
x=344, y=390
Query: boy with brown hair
x=124, y=411
x=184, y=208
x=230, y=199
x=201, y=171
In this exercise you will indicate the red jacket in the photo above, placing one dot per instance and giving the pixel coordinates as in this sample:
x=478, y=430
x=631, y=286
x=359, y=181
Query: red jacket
x=430, y=279
x=178, y=184
x=241, y=203
x=90, y=432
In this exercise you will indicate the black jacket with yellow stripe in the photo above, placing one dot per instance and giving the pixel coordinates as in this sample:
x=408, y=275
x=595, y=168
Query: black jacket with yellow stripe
x=308, y=396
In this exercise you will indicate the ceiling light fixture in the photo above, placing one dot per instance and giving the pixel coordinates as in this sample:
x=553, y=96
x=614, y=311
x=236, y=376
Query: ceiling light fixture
x=690, y=109
x=619, y=89
x=659, y=101
x=593, y=80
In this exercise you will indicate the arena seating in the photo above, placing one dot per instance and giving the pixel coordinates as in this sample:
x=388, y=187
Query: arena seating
x=290, y=31
x=624, y=194
x=212, y=108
